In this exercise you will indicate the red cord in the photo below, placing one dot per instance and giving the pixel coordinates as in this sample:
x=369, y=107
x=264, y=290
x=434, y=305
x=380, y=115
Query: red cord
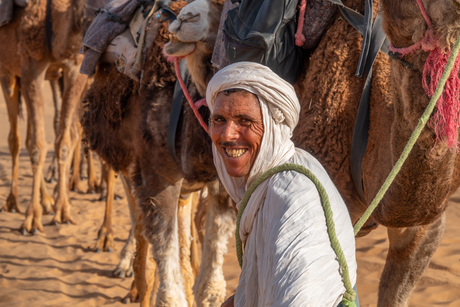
x=299, y=37
x=187, y=95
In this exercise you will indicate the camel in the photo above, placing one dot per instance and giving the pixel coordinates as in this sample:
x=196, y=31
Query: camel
x=126, y=124
x=27, y=53
x=413, y=209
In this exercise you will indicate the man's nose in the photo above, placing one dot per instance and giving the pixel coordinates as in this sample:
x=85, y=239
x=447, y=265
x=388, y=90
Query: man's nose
x=231, y=131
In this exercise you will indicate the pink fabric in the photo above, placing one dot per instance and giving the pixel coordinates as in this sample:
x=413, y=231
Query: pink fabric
x=299, y=37
x=200, y=103
x=446, y=120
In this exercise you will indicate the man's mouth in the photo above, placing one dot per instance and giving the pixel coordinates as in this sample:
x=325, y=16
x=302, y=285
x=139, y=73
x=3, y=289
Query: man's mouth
x=235, y=153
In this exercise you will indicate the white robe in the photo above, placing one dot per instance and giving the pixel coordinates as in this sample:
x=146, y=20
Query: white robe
x=288, y=259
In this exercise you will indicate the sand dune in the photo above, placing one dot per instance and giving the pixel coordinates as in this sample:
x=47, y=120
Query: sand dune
x=58, y=267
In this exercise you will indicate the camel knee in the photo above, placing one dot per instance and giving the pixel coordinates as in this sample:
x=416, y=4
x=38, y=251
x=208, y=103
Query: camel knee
x=36, y=155
x=63, y=153
x=14, y=141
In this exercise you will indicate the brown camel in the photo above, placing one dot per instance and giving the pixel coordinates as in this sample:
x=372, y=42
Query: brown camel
x=27, y=53
x=413, y=208
x=126, y=123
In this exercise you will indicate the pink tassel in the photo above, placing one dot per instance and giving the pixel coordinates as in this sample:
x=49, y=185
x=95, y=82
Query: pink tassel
x=446, y=120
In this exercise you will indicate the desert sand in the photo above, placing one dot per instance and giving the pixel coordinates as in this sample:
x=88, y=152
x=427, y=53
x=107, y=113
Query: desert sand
x=59, y=268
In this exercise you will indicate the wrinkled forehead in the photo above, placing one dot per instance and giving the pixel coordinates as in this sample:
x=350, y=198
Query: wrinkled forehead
x=232, y=95
x=239, y=104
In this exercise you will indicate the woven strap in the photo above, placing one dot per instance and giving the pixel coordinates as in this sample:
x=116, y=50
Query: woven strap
x=350, y=295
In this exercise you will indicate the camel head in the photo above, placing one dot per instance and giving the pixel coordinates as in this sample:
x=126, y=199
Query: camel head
x=422, y=33
x=193, y=35
x=191, y=27
x=405, y=24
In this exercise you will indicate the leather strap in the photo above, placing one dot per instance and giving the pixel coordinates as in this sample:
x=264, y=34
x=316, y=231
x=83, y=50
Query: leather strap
x=374, y=39
x=361, y=129
x=48, y=26
x=176, y=109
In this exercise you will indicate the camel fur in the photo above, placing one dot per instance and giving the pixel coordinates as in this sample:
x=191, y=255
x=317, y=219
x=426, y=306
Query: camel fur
x=413, y=209
x=126, y=124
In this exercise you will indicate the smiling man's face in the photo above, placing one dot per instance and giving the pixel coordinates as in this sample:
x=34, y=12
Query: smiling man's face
x=236, y=130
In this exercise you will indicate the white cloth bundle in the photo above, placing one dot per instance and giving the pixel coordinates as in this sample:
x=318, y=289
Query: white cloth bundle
x=288, y=259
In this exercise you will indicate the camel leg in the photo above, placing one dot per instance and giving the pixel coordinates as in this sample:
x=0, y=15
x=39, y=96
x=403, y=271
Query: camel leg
x=74, y=84
x=56, y=89
x=46, y=200
x=184, y=216
x=409, y=254
x=159, y=213
x=125, y=266
x=75, y=180
x=200, y=215
x=103, y=187
x=220, y=223
x=105, y=234
x=93, y=185
x=33, y=74
x=194, y=259
x=10, y=86
x=144, y=269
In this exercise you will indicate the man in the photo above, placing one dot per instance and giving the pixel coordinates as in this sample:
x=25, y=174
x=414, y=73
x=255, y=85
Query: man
x=288, y=259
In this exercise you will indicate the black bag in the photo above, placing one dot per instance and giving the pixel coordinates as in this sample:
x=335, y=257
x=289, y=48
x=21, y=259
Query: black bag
x=263, y=31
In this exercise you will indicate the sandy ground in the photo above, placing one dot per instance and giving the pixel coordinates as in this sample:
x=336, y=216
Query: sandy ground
x=58, y=267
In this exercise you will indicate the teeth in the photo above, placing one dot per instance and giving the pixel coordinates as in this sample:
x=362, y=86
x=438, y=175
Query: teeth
x=235, y=153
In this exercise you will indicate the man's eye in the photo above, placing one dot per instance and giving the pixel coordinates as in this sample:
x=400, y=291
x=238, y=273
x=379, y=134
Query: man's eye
x=218, y=120
x=245, y=121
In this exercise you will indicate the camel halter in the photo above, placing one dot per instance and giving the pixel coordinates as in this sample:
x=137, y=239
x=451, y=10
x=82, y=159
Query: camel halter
x=446, y=120
x=193, y=105
x=427, y=43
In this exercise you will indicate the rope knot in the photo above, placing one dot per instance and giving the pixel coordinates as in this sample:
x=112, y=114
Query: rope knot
x=430, y=40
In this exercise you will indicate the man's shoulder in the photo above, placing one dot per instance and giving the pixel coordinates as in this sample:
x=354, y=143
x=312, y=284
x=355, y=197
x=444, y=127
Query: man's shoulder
x=290, y=185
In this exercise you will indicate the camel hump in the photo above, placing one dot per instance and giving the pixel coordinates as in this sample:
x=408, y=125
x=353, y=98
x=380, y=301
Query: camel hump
x=31, y=32
x=66, y=18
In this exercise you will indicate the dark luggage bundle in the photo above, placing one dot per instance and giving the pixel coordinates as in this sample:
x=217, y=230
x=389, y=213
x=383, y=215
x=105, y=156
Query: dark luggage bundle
x=263, y=32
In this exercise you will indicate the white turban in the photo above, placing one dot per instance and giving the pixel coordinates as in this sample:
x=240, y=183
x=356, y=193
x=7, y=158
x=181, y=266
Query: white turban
x=280, y=111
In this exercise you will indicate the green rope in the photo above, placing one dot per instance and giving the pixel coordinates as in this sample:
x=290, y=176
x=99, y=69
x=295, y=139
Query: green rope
x=410, y=144
x=350, y=295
